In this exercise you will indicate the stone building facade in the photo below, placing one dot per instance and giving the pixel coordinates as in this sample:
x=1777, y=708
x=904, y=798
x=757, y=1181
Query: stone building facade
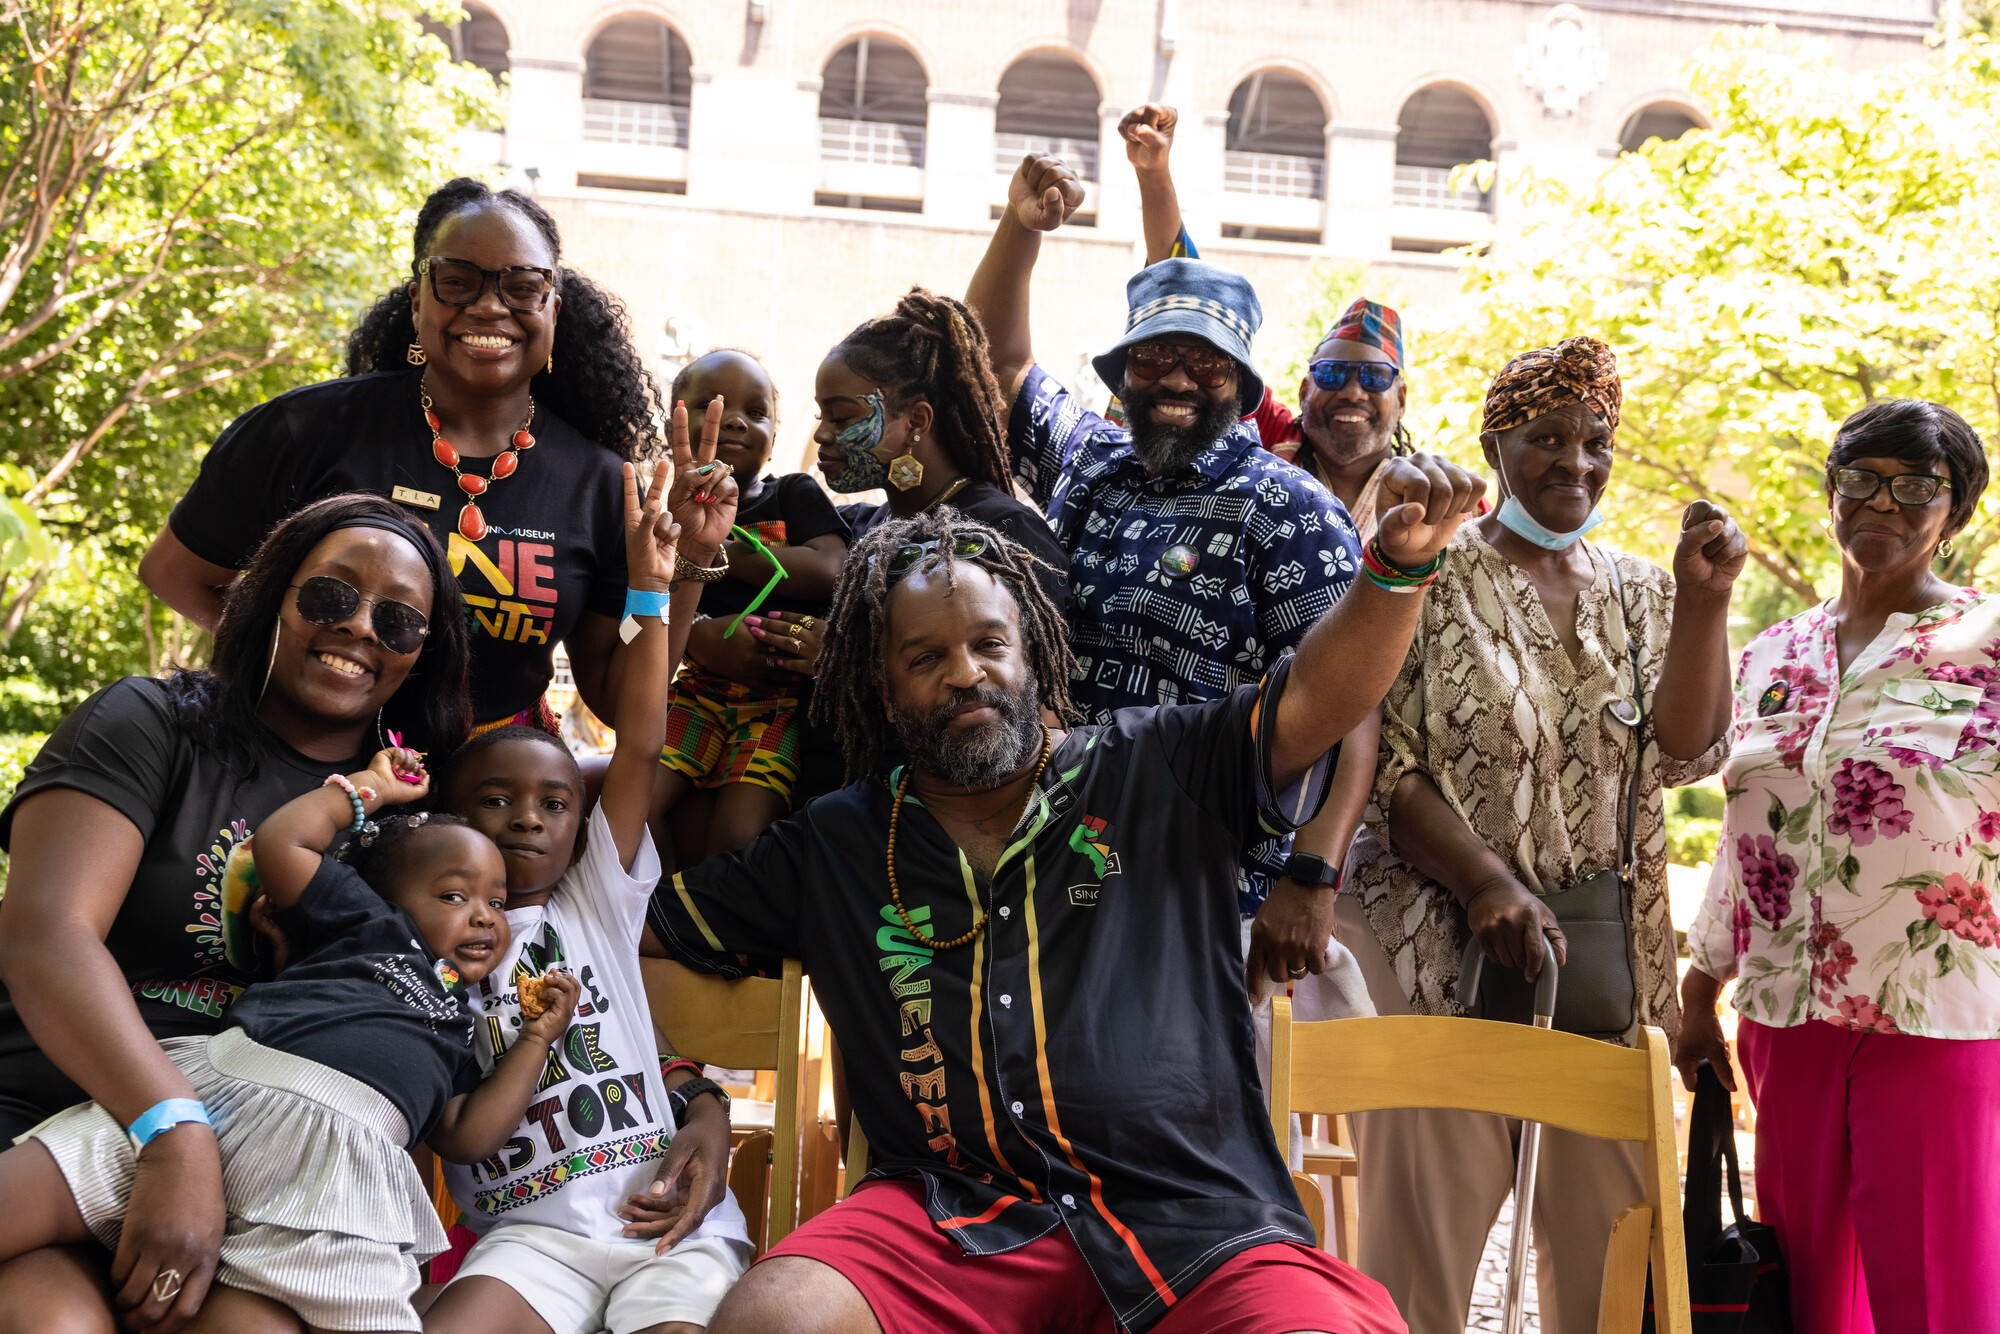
x=766, y=173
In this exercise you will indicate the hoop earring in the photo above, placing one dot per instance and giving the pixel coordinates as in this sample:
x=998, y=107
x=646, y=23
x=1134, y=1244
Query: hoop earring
x=381, y=742
x=907, y=471
x=415, y=354
x=272, y=661
x=551, y=367
x=1944, y=547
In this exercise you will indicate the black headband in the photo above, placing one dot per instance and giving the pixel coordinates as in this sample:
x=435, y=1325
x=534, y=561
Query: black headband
x=416, y=535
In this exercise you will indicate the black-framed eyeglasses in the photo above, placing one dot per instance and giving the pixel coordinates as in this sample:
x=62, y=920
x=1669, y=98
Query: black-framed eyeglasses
x=456, y=282
x=1204, y=365
x=1905, y=488
x=1377, y=377
x=969, y=547
x=325, y=600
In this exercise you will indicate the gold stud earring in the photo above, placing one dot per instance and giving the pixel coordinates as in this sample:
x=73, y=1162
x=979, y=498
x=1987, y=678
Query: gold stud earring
x=415, y=355
x=907, y=471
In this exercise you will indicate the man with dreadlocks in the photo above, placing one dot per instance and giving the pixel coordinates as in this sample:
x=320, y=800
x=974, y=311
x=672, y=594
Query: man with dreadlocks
x=1026, y=941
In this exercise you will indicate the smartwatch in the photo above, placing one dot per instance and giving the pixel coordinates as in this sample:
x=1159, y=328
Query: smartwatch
x=679, y=1097
x=1307, y=869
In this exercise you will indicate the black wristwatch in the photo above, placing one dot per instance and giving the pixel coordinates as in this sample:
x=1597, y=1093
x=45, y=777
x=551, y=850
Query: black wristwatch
x=1306, y=869
x=679, y=1097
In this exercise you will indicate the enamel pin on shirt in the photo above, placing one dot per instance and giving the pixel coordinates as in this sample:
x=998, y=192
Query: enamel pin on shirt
x=1776, y=695
x=1179, y=561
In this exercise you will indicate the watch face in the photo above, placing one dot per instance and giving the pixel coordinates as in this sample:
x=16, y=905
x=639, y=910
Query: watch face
x=1305, y=868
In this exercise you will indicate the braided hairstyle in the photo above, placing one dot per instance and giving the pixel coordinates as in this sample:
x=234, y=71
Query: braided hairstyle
x=374, y=852
x=600, y=384
x=933, y=348
x=847, y=694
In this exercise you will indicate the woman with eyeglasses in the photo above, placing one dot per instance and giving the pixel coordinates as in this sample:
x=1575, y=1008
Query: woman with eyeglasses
x=1553, y=689
x=494, y=397
x=344, y=631
x=1852, y=901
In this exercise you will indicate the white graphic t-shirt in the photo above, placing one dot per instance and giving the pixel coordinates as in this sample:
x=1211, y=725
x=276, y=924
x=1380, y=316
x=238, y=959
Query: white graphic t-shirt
x=599, y=1123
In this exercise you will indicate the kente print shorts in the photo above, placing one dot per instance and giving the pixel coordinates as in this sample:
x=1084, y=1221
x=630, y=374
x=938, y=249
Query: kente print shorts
x=721, y=731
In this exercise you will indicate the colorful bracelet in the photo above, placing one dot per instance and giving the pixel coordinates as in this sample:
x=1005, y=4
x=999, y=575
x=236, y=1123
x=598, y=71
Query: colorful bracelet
x=360, y=812
x=679, y=1063
x=1391, y=578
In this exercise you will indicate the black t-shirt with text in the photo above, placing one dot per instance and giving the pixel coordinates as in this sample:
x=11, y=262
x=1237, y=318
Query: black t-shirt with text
x=125, y=746
x=366, y=998
x=785, y=510
x=555, y=541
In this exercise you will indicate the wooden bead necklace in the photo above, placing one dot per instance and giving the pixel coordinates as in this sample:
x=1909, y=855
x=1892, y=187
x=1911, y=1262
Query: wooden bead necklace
x=471, y=519
x=895, y=891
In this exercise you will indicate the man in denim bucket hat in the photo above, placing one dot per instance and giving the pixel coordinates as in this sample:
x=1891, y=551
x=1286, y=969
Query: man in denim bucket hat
x=1196, y=557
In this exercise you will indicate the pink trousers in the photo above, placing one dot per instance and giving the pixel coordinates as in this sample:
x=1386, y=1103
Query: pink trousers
x=1878, y=1162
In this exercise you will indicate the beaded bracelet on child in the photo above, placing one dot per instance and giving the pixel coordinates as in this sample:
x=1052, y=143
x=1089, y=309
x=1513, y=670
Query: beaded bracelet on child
x=1391, y=578
x=354, y=795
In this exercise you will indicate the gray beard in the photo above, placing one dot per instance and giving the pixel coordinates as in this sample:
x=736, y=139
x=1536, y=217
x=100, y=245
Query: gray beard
x=985, y=757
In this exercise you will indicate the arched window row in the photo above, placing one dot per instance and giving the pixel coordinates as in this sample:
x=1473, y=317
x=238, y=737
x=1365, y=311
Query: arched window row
x=637, y=84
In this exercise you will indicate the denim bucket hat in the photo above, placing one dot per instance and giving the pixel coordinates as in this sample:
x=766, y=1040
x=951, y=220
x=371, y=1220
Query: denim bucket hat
x=1189, y=296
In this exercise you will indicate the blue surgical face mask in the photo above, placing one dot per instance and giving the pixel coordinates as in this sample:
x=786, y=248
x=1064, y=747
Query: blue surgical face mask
x=1514, y=516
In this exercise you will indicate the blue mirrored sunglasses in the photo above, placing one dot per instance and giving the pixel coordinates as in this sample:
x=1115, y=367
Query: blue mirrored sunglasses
x=1377, y=377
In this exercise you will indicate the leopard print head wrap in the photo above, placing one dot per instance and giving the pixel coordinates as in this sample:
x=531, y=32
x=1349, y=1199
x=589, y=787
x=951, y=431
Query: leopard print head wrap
x=1534, y=384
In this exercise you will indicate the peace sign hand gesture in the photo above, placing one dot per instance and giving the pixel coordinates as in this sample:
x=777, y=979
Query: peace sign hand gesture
x=652, y=538
x=703, y=498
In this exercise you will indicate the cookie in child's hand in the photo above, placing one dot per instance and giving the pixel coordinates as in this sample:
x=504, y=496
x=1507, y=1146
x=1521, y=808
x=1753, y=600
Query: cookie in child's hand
x=536, y=996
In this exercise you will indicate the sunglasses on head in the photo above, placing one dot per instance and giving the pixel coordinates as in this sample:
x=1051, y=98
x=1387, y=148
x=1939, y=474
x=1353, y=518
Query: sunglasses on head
x=523, y=289
x=1905, y=488
x=327, y=601
x=1377, y=377
x=962, y=548
x=1204, y=365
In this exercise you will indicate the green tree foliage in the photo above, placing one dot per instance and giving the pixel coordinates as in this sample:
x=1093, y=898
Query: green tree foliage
x=1828, y=242
x=195, y=198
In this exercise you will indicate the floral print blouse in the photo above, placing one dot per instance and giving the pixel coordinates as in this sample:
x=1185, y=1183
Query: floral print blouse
x=1855, y=876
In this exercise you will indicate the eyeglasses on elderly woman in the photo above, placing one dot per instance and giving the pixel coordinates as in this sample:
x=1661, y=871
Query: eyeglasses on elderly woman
x=1908, y=488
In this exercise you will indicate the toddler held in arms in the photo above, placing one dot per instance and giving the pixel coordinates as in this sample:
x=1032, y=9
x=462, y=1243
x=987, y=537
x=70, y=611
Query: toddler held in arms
x=359, y=1049
x=607, y=1206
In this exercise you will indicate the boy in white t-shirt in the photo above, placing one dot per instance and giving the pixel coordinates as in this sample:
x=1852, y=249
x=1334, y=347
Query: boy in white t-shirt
x=584, y=1218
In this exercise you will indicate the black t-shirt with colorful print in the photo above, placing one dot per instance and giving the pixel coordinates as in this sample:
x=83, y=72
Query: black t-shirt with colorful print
x=555, y=541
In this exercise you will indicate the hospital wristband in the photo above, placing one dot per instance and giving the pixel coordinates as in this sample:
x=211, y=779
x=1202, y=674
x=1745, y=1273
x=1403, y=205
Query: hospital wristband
x=163, y=1116
x=640, y=602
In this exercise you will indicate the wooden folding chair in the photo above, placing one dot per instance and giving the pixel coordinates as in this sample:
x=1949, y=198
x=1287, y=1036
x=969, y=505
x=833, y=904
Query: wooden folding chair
x=755, y=1023
x=1559, y=1079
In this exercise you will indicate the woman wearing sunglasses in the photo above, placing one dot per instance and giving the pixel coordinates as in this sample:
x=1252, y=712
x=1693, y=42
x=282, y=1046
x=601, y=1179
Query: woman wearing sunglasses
x=1553, y=689
x=493, y=396
x=1852, y=901
x=344, y=631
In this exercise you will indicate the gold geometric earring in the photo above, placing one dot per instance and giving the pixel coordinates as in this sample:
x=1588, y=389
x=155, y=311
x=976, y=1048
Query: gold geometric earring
x=415, y=355
x=907, y=470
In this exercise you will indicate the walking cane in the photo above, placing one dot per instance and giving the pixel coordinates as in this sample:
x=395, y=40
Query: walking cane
x=1531, y=1131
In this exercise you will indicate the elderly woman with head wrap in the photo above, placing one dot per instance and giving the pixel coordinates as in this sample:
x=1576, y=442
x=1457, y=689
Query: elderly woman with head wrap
x=1553, y=689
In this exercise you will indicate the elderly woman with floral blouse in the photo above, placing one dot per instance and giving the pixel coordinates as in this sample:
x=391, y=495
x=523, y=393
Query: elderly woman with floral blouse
x=1509, y=747
x=1852, y=902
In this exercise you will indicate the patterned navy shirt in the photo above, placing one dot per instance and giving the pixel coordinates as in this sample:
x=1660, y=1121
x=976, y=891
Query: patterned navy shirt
x=1183, y=587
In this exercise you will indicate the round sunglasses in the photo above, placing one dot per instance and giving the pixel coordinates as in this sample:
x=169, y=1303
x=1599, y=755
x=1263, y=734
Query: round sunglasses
x=963, y=548
x=1377, y=377
x=1204, y=365
x=1905, y=488
x=327, y=601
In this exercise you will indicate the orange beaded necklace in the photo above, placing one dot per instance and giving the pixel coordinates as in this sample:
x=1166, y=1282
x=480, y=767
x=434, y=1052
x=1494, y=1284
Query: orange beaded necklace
x=471, y=519
x=895, y=891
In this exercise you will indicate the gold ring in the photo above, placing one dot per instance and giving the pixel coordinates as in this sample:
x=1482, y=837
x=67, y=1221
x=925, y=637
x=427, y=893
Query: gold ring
x=807, y=622
x=166, y=1285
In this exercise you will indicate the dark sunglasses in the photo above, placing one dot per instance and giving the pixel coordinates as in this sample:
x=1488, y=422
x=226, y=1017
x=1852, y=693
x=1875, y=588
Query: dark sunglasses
x=1204, y=365
x=325, y=600
x=1905, y=488
x=1377, y=377
x=962, y=548
x=522, y=289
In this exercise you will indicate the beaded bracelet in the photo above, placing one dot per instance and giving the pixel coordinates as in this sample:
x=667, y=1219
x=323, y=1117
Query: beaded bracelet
x=360, y=812
x=1391, y=578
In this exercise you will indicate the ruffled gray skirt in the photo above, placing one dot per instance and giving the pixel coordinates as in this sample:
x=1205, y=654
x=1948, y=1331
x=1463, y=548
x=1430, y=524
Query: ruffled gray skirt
x=326, y=1212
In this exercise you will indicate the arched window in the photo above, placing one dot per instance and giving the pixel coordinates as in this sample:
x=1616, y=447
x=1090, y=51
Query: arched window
x=1048, y=104
x=636, y=85
x=872, y=106
x=478, y=38
x=1662, y=120
x=1440, y=128
x=1276, y=144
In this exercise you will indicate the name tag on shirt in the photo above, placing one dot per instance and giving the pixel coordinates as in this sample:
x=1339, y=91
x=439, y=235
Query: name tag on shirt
x=409, y=495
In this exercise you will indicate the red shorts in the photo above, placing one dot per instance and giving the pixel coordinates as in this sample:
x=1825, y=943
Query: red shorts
x=917, y=1281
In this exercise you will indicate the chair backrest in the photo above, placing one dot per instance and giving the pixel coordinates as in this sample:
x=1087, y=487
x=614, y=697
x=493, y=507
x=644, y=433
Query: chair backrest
x=754, y=1023
x=1559, y=1079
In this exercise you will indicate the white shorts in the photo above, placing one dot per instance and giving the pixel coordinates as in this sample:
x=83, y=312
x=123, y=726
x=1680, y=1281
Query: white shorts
x=580, y=1285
